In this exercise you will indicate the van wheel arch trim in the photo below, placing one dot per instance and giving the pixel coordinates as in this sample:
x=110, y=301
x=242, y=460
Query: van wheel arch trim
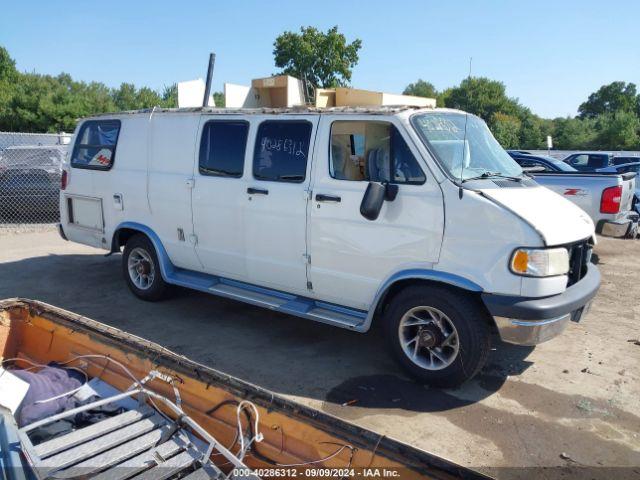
x=417, y=274
x=166, y=267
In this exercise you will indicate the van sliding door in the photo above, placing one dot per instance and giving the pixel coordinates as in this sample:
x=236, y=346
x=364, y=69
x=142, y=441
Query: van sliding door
x=275, y=203
x=220, y=195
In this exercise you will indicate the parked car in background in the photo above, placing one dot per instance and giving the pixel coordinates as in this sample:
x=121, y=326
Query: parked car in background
x=620, y=160
x=592, y=161
x=542, y=163
x=30, y=181
x=608, y=198
x=627, y=168
x=589, y=161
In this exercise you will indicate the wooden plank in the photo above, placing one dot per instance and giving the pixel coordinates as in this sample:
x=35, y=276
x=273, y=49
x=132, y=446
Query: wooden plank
x=172, y=466
x=118, y=455
x=51, y=447
x=142, y=461
x=89, y=449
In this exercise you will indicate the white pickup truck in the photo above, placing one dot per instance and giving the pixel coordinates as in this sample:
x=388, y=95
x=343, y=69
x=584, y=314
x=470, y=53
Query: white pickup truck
x=608, y=197
x=415, y=218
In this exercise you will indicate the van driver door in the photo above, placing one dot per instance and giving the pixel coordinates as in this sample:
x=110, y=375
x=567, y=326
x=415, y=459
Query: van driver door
x=350, y=255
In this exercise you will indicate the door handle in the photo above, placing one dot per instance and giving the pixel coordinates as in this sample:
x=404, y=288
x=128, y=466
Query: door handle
x=257, y=191
x=321, y=197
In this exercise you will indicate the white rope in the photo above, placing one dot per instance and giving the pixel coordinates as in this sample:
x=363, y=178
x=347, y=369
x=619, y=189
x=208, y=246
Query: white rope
x=258, y=437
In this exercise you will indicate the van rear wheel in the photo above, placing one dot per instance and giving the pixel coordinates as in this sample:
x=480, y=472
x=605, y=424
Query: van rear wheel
x=141, y=269
x=439, y=336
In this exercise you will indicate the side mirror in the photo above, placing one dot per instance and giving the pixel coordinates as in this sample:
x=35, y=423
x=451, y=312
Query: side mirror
x=372, y=201
x=390, y=192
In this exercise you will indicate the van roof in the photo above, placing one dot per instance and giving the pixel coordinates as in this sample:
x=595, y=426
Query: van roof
x=383, y=110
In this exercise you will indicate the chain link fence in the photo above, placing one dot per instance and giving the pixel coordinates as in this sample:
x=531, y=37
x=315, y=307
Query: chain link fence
x=30, y=171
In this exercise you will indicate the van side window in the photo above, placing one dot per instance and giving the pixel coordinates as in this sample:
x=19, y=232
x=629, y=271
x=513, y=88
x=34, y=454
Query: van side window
x=222, y=148
x=372, y=151
x=281, y=152
x=95, y=146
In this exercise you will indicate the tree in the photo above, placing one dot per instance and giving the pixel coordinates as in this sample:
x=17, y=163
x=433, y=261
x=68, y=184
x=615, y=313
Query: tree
x=7, y=65
x=506, y=129
x=611, y=98
x=421, y=89
x=170, y=96
x=531, y=135
x=323, y=59
x=483, y=97
x=618, y=131
x=574, y=133
x=218, y=98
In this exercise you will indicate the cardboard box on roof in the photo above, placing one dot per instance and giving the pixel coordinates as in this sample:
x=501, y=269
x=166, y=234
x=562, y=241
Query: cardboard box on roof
x=279, y=91
x=284, y=91
x=354, y=97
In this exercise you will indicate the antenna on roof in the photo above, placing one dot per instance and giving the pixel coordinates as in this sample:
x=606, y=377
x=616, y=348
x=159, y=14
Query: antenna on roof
x=207, y=87
x=464, y=140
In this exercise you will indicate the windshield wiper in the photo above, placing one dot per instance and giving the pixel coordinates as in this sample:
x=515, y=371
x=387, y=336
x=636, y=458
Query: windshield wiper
x=492, y=175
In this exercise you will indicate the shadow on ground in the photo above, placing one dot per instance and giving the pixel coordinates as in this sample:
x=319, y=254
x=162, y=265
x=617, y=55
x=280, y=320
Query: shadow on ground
x=282, y=353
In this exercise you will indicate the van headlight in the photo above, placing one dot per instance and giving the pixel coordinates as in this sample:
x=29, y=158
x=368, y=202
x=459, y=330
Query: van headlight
x=540, y=262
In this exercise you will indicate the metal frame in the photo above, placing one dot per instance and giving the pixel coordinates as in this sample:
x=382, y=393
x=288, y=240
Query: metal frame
x=36, y=461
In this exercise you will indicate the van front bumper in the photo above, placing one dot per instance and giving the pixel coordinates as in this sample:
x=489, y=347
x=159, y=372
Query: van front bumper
x=529, y=321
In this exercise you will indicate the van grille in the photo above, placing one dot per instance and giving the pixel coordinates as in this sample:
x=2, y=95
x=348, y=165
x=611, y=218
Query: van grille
x=579, y=258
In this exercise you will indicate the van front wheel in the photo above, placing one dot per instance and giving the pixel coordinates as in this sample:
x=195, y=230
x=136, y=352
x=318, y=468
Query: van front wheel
x=141, y=269
x=439, y=336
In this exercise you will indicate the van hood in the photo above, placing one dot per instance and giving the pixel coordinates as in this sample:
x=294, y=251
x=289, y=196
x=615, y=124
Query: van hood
x=557, y=219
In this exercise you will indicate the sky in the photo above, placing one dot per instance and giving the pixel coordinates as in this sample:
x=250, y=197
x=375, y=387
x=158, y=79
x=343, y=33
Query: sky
x=550, y=54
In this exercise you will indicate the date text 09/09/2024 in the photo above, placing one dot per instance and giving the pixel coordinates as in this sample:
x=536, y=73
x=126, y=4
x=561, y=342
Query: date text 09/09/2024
x=288, y=472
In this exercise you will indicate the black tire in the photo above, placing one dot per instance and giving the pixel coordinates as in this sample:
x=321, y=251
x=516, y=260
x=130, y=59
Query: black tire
x=463, y=311
x=157, y=288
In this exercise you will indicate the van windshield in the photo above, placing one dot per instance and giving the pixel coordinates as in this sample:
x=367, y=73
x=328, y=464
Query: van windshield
x=475, y=154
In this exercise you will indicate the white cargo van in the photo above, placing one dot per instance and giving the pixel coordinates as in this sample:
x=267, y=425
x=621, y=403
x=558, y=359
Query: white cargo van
x=416, y=218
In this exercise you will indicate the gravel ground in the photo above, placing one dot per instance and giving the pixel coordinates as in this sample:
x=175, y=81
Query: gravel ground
x=569, y=408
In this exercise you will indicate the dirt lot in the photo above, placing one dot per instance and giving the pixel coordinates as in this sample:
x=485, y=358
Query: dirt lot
x=572, y=402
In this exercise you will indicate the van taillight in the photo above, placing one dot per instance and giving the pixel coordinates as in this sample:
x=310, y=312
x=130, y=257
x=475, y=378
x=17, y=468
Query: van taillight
x=63, y=180
x=611, y=199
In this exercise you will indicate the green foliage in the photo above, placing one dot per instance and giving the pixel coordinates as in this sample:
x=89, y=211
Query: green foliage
x=324, y=59
x=170, y=96
x=532, y=134
x=218, y=98
x=7, y=66
x=421, y=89
x=574, y=134
x=608, y=119
x=611, y=98
x=482, y=97
x=618, y=130
x=506, y=129
x=30, y=102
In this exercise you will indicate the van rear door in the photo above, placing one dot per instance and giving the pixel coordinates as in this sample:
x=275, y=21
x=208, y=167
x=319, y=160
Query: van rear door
x=171, y=155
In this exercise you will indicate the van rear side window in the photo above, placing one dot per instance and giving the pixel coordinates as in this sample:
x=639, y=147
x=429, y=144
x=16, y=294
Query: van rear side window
x=222, y=148
x=281, y=152
x=95, y=146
